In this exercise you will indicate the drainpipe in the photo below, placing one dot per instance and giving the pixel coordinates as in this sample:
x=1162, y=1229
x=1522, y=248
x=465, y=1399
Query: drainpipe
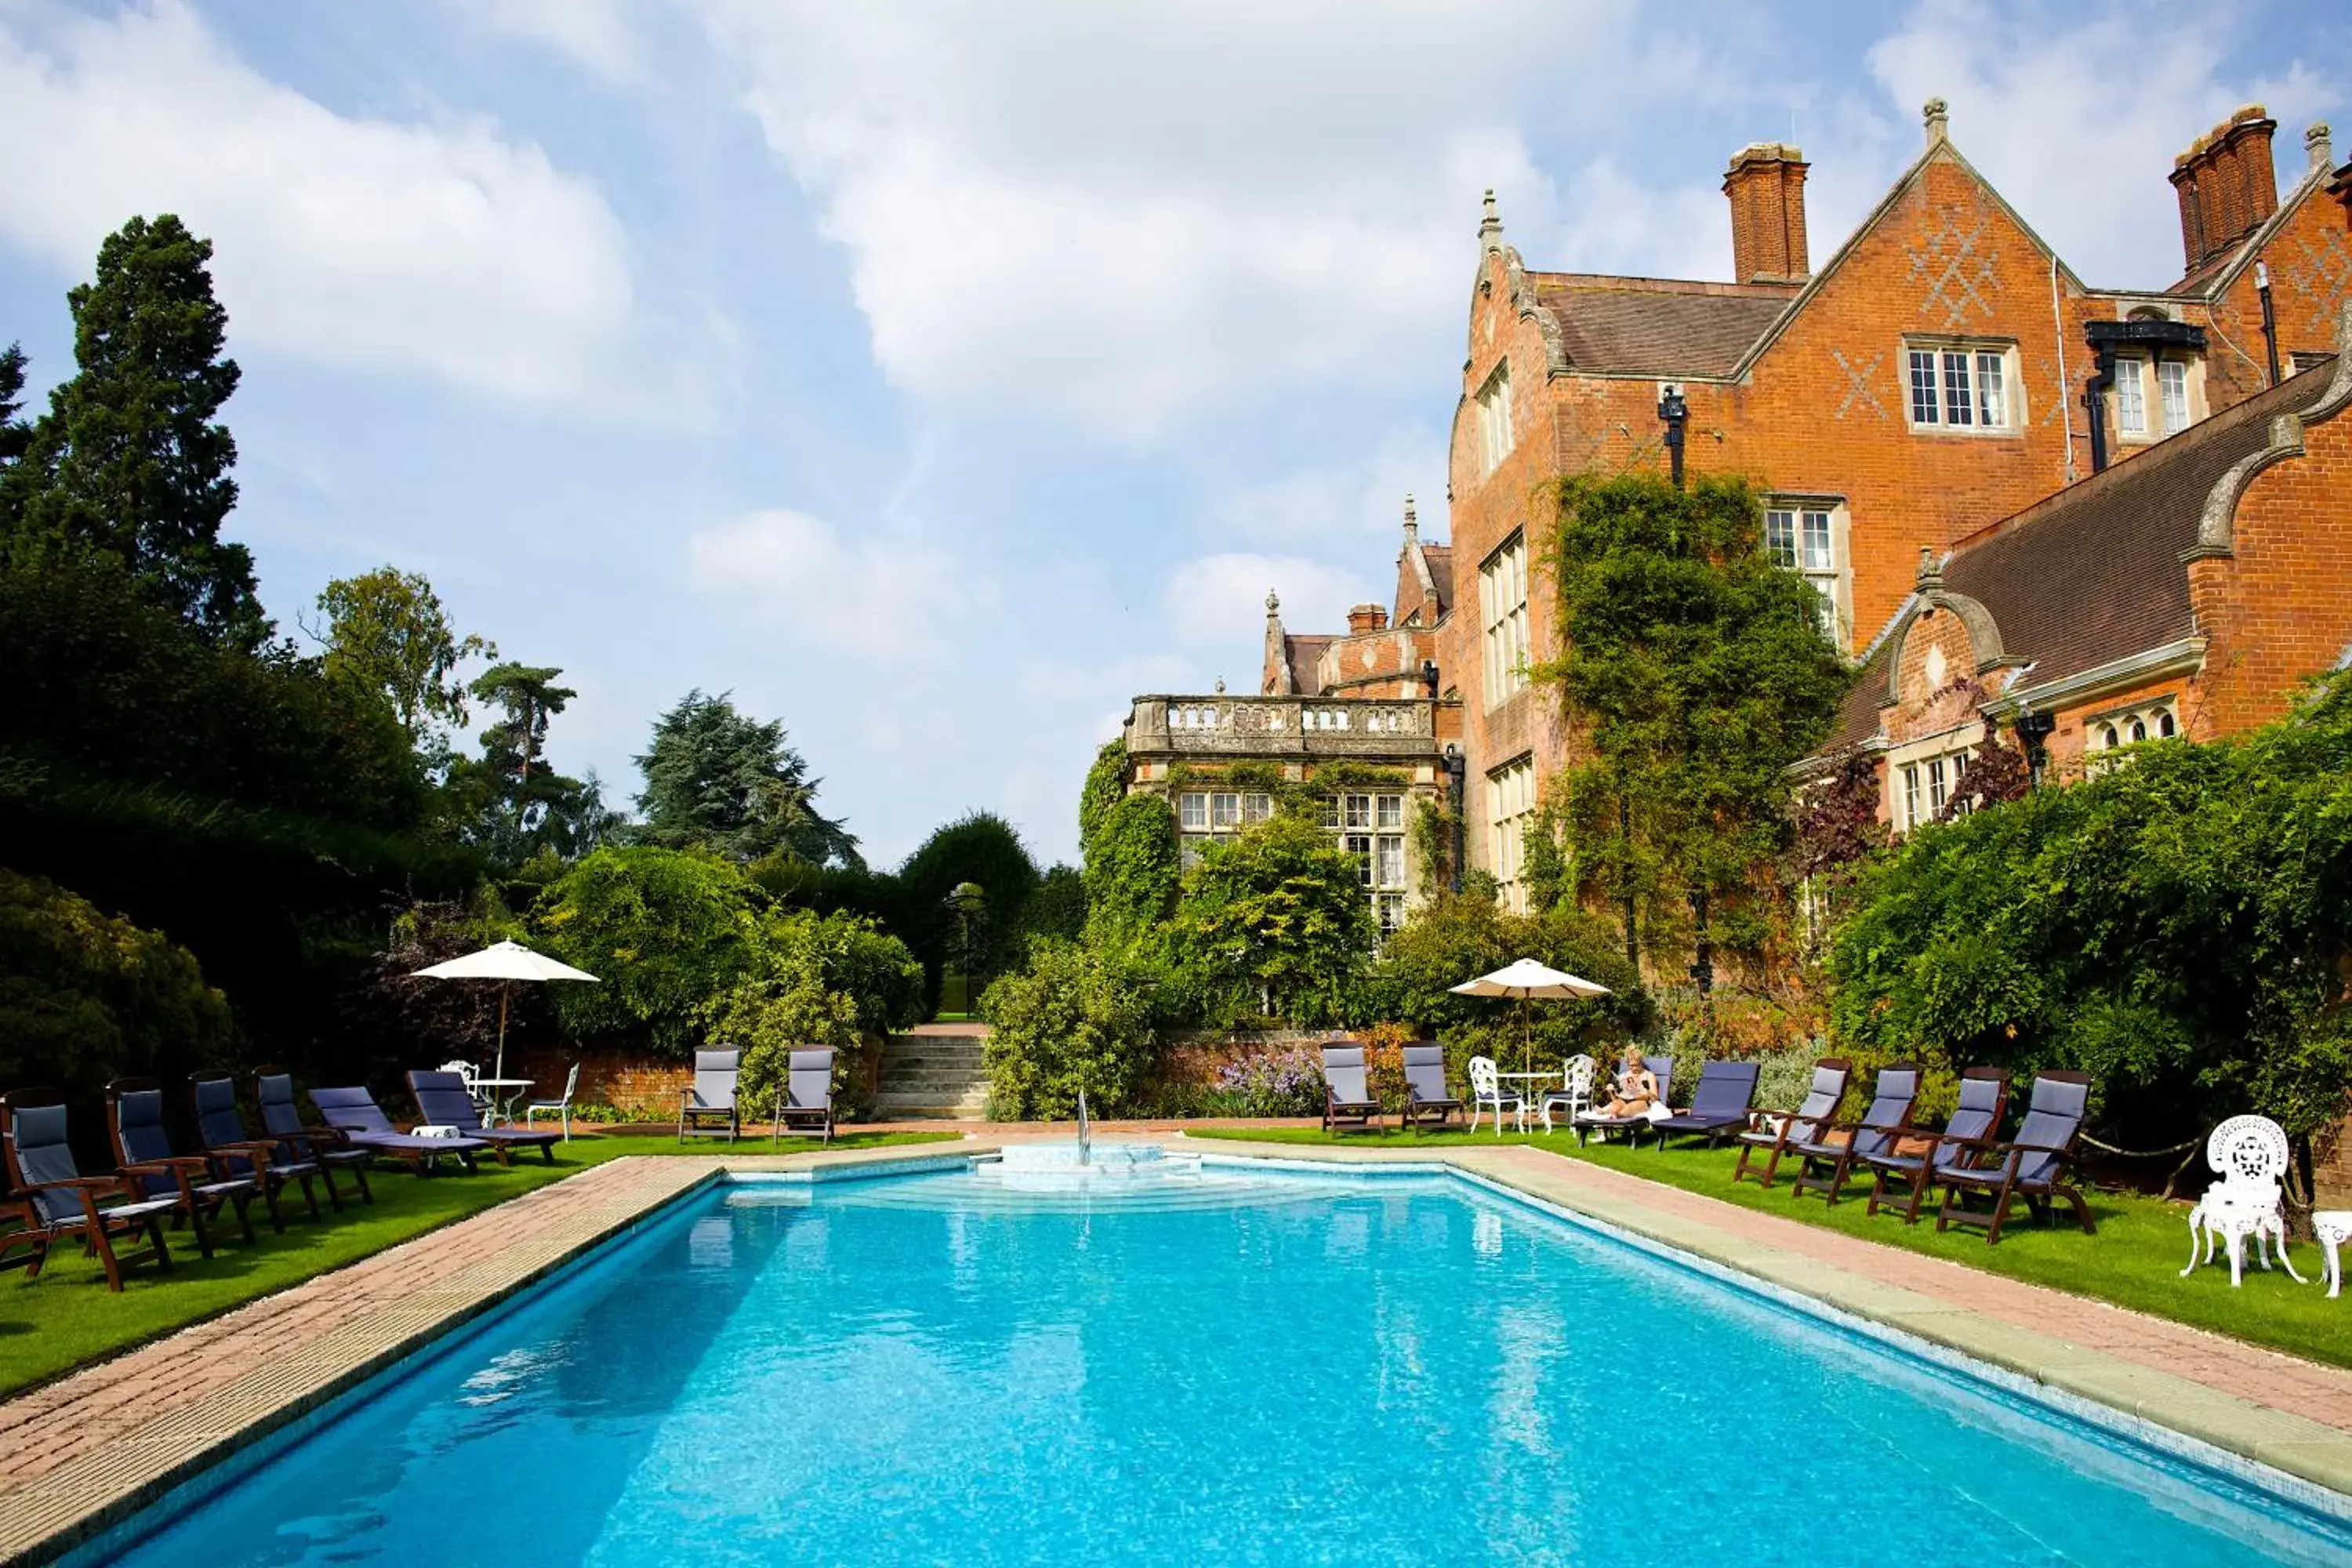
x=2094, y=401
x=1456, y=767
x=2270, y=318
x=1675, y=412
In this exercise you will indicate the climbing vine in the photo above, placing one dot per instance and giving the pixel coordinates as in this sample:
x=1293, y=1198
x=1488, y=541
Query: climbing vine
x=1694, y=677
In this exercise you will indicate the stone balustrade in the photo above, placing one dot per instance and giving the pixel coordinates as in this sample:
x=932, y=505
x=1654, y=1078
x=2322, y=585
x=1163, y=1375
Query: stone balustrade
x=1305, y=726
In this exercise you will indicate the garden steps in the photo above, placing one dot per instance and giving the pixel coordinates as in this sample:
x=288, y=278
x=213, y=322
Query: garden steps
x=932, y=1072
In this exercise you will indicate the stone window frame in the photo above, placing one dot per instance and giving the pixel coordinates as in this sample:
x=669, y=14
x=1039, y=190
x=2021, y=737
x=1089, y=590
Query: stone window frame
x=2155, y=719
x=1938, y=404
x=1371, y=825
x=1495, y=436
x=2147, y=386
x=1833, y=584
x=1510, y=803
x=1220, y=814
x=1504, y=642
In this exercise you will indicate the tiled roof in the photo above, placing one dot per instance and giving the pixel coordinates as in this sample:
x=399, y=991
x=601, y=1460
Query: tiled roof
x=1657, y=325
x=1857, y=718
x=2094, y=574
x=1306, y=656
x=1441, y=572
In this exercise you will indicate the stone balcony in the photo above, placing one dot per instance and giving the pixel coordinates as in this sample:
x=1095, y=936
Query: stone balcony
x=1283, y=727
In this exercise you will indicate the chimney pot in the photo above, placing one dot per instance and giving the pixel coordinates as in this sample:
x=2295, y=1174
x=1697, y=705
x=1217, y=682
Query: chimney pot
x=1765, y=187
x=2227, y=184
x=1365, y=618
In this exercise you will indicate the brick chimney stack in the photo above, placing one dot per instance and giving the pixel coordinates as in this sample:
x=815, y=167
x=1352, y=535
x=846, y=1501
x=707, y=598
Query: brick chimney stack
x=2227, y=185
x=1367, y=619
x=1766, y=183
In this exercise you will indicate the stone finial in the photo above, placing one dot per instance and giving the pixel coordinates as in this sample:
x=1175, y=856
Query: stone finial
x=1938, y=115
x=1412, y=527
x=1273, y=605
x=1490, y=225
x=1931, y=571
x=1221, y=685
x=2319, y=147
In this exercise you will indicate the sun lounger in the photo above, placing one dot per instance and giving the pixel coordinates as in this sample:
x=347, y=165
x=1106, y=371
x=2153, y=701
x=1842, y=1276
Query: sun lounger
x=237, y=1152
x=443, y=1100
x=1824, y=1162
x=2033, y=1165
x=1347, y=1096
x=354, y=1112
x=706, y=1108
x=805, y=1099
x=52, y=1199
x=1426, y=1103
x=1663, y=1069
x=143, y=1153
x=331, y=1149
x=1984, y=1095
x=1828, y=1088
x=1718, y=1108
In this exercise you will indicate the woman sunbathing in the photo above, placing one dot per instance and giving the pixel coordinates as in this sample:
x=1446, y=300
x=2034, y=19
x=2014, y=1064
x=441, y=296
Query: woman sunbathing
x=1635, y=1090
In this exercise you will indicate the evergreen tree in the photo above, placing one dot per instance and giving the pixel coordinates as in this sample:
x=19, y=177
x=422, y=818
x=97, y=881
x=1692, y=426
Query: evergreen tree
x=131, y=459
x=717, y=778
x=509, y=801
x=14, y=433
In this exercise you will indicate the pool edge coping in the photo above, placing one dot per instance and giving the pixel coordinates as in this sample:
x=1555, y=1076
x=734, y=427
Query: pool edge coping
x=2180, y=1417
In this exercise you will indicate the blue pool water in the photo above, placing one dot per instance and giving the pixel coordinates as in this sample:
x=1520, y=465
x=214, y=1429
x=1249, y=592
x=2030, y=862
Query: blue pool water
x=1276, y=1369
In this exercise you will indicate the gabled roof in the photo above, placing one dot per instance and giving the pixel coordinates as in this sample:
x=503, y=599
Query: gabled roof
x=2097, y=572
x=1440, y=558
x=1657, y=326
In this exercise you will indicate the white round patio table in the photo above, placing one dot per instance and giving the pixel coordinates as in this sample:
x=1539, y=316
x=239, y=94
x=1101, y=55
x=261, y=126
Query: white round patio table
x=1532, y=1082
x=501, y=1104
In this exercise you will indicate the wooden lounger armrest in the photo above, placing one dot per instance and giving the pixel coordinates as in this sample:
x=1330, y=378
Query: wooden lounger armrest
x=168, y=1166
x=80, y=1184
x=258, y=1149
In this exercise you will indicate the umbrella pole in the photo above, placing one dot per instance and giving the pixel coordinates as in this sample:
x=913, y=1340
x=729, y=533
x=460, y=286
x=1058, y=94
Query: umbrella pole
x=1527, y=1039
x=500, y=1070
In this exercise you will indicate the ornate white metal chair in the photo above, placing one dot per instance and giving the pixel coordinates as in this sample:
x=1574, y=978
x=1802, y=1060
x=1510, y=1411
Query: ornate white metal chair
x=1486, y=1093
x=1575, y=1093
x=474, y=1092
x=2250, y=1155
x=2333, y=1229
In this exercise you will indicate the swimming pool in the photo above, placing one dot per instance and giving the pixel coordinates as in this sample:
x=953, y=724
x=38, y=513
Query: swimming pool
x=1225, y=1366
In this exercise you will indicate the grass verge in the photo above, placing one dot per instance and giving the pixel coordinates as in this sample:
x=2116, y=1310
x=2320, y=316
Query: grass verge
x=66, y=1318
x=2134, y=1261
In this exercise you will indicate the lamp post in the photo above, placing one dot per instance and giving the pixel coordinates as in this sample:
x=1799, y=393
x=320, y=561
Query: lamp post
x=2032, y=730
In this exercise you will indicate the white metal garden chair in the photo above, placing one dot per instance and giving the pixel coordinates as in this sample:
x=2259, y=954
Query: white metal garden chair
x=2250, y=1155
x=1575, y=1093
x=533, y=1110
x=474, y=1092
x=1486, y=1093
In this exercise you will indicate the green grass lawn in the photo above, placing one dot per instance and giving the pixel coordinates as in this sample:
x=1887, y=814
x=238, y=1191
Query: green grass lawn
x=67, y=1316
x=2134, y=1261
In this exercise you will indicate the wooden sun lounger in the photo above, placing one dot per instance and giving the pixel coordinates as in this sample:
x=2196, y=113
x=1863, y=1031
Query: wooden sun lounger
x=52, y=1199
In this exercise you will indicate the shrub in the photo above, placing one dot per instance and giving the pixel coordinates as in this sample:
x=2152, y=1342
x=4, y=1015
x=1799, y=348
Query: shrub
x=1277, y=1081
x=809, y=981
x=86, y=996
x=2178, y=927
x=1455, y=937
x=1272, y=924
x=1072, y=1018
x=665, y=930
x=1131, y=869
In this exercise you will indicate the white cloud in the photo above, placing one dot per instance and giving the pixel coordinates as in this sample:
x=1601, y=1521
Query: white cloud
x=1357, y=508
x=599, y=34
x=1127, y=217
x=2037, y=104
x=442, y=251
x=1216, y=604
x=890, y=600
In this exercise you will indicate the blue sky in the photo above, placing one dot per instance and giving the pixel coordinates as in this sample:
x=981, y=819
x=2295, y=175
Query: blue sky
x=936, y=378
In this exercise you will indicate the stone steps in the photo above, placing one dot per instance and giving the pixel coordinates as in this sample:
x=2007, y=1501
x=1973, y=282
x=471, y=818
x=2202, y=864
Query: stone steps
x=933, y=1072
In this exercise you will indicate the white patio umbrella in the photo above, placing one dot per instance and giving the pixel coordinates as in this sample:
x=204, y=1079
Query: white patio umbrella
x=506, y=962
x=1523, y=978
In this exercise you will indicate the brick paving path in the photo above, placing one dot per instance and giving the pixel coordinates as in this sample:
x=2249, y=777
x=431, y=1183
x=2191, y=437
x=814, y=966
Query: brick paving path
x=2267, y=1378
